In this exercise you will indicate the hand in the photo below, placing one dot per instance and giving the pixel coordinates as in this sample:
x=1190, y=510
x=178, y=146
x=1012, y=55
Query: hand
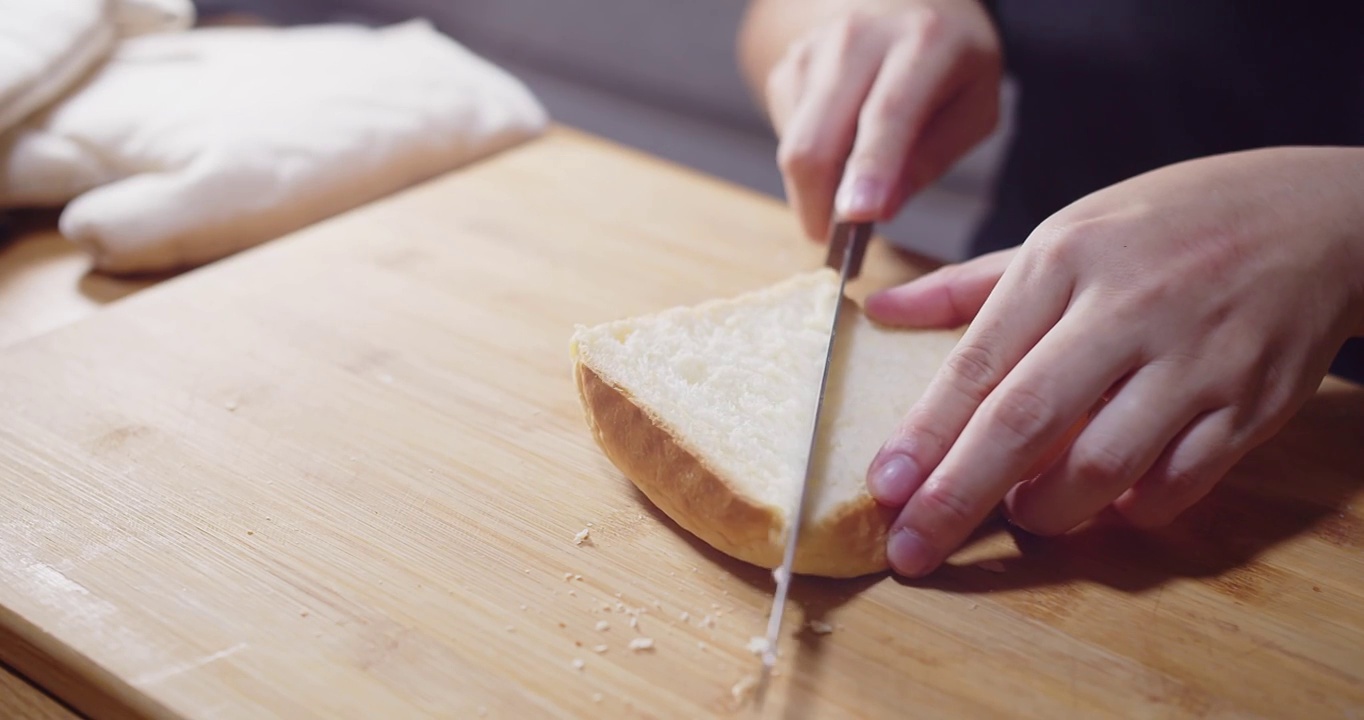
x=1196, y=307
x=884, y=95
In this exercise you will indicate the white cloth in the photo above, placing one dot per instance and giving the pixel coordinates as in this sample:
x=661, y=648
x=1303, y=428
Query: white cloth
x=183, y=148
x=46, y=45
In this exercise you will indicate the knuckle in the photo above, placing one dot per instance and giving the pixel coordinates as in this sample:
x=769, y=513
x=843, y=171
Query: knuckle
x=1066, y=242
x=1024, y=413
x=1182, y=482
x=1057, y=249
x=780, y=81
x=1179, y=489
x=803, y=159
x=849, y=29
x=941, y=501
x=974, y=370
x=1104, y=461
x=890, y=110
x=931, y=25
x=919, y=440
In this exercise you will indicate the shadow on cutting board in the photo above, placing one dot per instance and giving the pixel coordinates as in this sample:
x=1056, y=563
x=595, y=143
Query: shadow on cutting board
x=1264, y=502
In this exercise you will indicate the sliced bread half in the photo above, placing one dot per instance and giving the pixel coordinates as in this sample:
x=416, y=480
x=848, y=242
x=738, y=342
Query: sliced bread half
x=708, y=410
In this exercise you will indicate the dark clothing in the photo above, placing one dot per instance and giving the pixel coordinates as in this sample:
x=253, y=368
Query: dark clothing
x=1114, y=88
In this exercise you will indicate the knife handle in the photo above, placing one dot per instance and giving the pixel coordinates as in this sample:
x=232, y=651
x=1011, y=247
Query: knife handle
x=859, y=234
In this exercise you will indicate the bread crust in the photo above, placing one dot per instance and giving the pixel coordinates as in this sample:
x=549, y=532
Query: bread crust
x=850, y=542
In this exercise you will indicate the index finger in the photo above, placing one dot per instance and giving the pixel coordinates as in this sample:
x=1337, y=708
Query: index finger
x=1051, y=389
x=993, y=343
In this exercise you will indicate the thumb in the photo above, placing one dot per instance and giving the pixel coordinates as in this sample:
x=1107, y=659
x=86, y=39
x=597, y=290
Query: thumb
x=945, y=298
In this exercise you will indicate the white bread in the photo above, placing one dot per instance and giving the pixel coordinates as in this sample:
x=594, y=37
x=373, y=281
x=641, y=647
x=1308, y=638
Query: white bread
x=708, y=411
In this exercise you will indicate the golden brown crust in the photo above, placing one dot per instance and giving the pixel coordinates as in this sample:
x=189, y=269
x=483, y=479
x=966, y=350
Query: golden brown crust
x=849, y=543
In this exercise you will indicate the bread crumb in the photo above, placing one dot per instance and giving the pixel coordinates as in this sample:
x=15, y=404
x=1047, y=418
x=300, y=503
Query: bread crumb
x=974, y=606
x=589, y=524
x=573, y=592
x=606, y=607
x=231, y=405
x=620, y=607
x=580, y=538
x=617, y=594
x=578, y=664
x=603, y=626
x=523, y=606
x=701, y=646
x=641, y=516
x=599, y=649
x=596, y=697
x=579, y=578
x=634, y=622
x=568, y=576
x=744, y=688
x=993, y=566
x=707, y=621
x=658, y=604
x=820, y=627
x=758, y=645
x=641, y=643
x=685, y=616
x=777, y=575
x=527, y=571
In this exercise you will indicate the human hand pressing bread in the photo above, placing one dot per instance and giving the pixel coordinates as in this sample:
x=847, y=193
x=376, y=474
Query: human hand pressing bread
x=1204, y=301
x=872, y=99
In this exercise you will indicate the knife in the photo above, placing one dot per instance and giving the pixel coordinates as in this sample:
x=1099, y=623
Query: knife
x=847, y=247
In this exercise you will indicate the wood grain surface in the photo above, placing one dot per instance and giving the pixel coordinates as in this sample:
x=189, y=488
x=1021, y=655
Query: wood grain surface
x=21, y=700
x=340, y=476
x=46, y=283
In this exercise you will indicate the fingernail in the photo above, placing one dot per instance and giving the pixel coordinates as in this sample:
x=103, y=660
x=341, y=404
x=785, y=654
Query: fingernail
x=908, y=553
x=859, y=198
x=893, y=482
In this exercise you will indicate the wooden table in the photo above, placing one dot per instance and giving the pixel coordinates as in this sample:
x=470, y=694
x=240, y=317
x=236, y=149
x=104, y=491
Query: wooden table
x=46, y=283
x=340, y=476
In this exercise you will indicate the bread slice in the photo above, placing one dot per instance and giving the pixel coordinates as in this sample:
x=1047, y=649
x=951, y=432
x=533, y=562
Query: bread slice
x=708, y=410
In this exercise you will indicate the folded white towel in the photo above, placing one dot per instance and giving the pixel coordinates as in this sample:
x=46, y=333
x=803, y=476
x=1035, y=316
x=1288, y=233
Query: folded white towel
x=46, y=45
x=183, y=148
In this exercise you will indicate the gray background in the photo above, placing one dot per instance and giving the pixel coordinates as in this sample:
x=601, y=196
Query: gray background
x=659, y=75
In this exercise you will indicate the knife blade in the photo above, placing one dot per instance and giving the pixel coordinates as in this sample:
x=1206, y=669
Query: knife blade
x=847, y=248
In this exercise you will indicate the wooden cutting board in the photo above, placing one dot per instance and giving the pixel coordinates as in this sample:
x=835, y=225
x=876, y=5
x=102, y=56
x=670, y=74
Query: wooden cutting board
x=340, y=476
